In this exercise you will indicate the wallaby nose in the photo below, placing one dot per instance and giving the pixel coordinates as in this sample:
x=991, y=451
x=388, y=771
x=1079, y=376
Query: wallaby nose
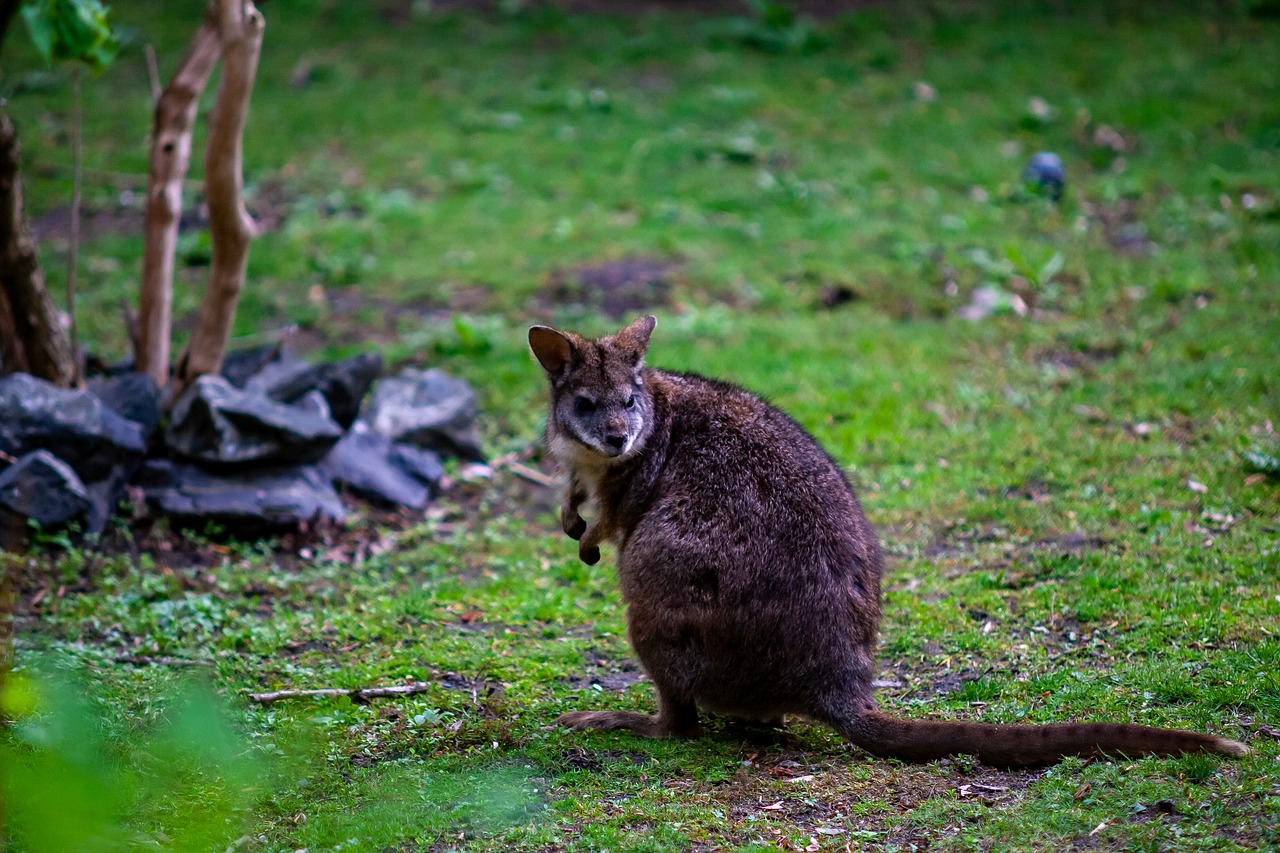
x=615, y=441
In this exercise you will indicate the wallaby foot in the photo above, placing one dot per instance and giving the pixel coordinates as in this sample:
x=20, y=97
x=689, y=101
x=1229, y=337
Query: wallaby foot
x=589, y=545
x=574, y=525
x=674, y=719
x=644, y=725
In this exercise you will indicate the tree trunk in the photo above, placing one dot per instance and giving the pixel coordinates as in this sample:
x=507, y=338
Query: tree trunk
x=31, y=336
x=240, y=27
x=175, y=117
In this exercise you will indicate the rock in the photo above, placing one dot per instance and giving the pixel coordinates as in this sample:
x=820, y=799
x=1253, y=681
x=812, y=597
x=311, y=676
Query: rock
x=423, y=465
x=42, y=488
x=133, y=396
x=343, y=383
x=427, y=408
x=257, y=499
x=79, y=427
x=105, y=496
x=239, y=366
x=215, y=422
x=363, y=462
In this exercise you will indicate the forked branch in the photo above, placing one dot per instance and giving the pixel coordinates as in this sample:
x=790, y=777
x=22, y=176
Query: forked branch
x=240, y=27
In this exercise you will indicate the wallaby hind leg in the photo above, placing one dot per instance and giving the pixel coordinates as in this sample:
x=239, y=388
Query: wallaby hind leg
x=675, y=718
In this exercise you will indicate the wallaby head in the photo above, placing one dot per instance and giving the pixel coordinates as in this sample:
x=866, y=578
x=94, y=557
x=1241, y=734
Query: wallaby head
x=599, y=403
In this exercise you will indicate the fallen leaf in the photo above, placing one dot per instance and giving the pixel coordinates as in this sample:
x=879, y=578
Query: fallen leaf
x=773, y=807
x=1197, y=486
x=1098, y=828
x=809, y=778
x=1081, y=791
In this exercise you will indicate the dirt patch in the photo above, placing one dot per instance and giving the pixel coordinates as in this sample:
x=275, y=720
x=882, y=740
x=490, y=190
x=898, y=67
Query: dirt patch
x=1079, y=358
x=1073, y=543
x=1121, y=226
x=616, y=681
x=616, y=288
x=268, y=203
x=399, y=12
x=596, y=761
x=602, y=673
x=824, y=799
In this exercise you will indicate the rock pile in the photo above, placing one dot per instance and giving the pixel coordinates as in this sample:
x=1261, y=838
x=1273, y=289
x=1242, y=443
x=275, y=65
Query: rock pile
x=269, y=443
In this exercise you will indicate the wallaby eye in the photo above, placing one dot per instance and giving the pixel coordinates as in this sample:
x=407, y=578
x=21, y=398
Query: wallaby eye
x=583, y=405
x=631, y=401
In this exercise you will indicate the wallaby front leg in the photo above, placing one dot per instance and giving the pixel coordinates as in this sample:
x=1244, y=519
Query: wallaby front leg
x=573, y=523
x=589, y=544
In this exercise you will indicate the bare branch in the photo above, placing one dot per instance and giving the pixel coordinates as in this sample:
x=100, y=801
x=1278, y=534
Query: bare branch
x=359, y=695
x=231, y=228
x=175, y=117
x=147, y=660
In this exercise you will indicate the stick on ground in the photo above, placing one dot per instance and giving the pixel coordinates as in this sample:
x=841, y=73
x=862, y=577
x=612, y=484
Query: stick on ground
x=359, y=695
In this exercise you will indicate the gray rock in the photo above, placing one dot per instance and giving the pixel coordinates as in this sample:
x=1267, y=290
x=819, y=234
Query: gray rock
x=363, y=462
x=427, y=408
x=42, y=488
x=83, y=431
x=262, y=498
x=133, y=396
x=215, y=422
x=239, y=366
x=105, y=496
x=343, y=383
x=423, y=465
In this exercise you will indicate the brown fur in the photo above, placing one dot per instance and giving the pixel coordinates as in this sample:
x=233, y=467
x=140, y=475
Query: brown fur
x=750, y=574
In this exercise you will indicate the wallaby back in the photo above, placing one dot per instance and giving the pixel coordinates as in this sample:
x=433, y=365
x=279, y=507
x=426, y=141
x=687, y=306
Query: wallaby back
x=750, y=573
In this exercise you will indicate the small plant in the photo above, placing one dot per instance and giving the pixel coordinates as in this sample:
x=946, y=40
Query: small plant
x=772, y=27
x=74, y=781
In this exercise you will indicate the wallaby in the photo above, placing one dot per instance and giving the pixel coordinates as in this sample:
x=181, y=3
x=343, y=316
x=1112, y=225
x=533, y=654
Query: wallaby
x=750, y=574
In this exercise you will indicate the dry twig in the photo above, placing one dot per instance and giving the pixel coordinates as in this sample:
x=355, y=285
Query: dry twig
x=359, y=695
x=146, y=660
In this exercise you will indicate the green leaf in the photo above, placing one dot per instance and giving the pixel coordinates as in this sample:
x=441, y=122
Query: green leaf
x=39, y=21
x=76, y=30
x=1051, y=267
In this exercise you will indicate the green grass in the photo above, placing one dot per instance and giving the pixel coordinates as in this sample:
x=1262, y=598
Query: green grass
x=1029, y=475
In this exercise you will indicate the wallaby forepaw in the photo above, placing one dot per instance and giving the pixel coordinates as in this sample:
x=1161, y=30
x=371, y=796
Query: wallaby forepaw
x=590, y=555
x=574, y=526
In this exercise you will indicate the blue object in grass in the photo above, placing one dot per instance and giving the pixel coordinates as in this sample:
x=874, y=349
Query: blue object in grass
x=1045, y=175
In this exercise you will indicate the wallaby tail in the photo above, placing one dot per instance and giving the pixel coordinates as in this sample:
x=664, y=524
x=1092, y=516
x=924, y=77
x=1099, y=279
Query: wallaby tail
x=1024, y=746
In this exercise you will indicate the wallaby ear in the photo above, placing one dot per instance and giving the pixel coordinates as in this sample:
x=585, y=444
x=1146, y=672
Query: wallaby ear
x=552, y=348
x=635, y=337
